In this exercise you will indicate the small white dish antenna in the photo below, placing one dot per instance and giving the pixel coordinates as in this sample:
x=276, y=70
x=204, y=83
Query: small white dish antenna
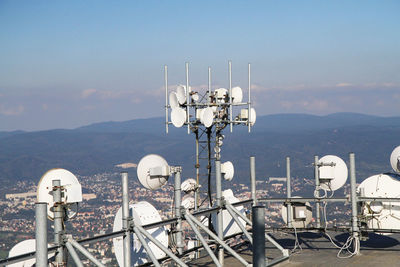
x=229, y=225
x=381, y=214
x=237, y=94
x=181, y=94
x=142, y=213
x=26, y=246
x=228, y=170
x=221, y=95
x=207, y=117
x=72, y=191
x=395, y=159
x=333, y=174
x=301, y=214
x=178, y=117
x=189, y=185
x=188, y=203
x=153, y=171
x=173, y=100
x=195, y=96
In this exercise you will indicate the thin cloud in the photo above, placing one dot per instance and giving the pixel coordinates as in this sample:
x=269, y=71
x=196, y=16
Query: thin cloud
x=88, y=92
x=343, y=84
x=14, y=111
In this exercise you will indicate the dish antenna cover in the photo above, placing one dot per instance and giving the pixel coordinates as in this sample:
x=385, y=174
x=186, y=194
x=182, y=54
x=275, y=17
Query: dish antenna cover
x=207, y=117
x=221, y=94
x=228, y=170
x=332, y=177
x=301, y=214
x=142, y=213
x=229, y=225
x=181, y=94
x=237, y=94
x=189, y=185
x=173, y=100
x=24, y=247
x=72, y=190
x=381, y=215
x=395, y=159
x=178, y=117
x=153, y=171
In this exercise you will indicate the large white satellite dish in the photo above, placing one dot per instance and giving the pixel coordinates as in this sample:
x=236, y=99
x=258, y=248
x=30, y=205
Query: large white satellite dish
x=72, y=191
x=178, y=117
x=26, y=246
x=381, y=214
x=301, y=214
x=142, y=213
x=153, y=171
x=237, y=94
x=207, y=117
x=229, y=225
x=228, y=170
x=181, y=94
x=395, y=159
x=335, y=176
x=173, y=100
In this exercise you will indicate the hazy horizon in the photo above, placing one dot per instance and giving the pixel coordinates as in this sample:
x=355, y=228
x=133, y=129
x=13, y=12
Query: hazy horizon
x=69, y=64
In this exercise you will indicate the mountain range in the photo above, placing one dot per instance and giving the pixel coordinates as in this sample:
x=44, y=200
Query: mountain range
x=99, y=147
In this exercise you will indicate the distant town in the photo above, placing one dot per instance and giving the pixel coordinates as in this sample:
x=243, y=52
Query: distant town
x=102, y=198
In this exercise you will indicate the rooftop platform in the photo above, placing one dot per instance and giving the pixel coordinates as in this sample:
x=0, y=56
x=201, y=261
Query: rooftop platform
x=317, y=250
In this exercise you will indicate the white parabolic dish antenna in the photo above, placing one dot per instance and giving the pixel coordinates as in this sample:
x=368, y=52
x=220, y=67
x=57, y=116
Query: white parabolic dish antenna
x=189, y=185
x=173, y=100
x=381, y=215
x=178, y=117
x=228, y=170
x=237, y=94
x=395, y=159
x=142, y=213
x=207, y=117
x=335, y=176
x=181, y=94
x=153, y=171
x=21, y=248
x=229, y=225
x=72, y=190
x=303, y=216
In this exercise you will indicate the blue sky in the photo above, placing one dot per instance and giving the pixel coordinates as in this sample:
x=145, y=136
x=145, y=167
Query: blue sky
x=69, y=63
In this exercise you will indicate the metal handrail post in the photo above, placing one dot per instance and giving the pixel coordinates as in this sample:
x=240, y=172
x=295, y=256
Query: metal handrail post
x=354, y=203
x=253, y=180
x=288, y=193
x=41, y=234
x=125, y=220
x=258, y=215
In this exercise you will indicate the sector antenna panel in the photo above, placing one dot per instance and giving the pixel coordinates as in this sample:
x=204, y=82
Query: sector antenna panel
x=142, y=213
x=72, y=190
x=381, y=214
x=153, y=171
x=229, y=225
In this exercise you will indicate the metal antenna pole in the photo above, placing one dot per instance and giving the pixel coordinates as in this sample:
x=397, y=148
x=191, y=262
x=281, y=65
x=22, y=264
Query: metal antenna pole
x=209, y=84
x=187, y=97
x=354, y=214
x=58, y=222
x=230, y=95
x=41, y=234
x=288, y=193
x=220, y=228
x=166, y=97
x=125, y=220
x=249, y=87
x=177, y=194
x=258, y=214
x=316, y=175
x=196, y=191
x=253, y=180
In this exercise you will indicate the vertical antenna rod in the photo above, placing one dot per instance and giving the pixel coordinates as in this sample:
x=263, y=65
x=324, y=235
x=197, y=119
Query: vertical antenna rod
x=253, y=180
x=288, y=193
x=58, y=221
x=220, y=225
x=125, y=220
x=177, y=195
x=230, y=94
x=209, y=85
x=187, y=97
x=316, y=175
x=354, y=215
x=249, y=86
x=166, y=97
